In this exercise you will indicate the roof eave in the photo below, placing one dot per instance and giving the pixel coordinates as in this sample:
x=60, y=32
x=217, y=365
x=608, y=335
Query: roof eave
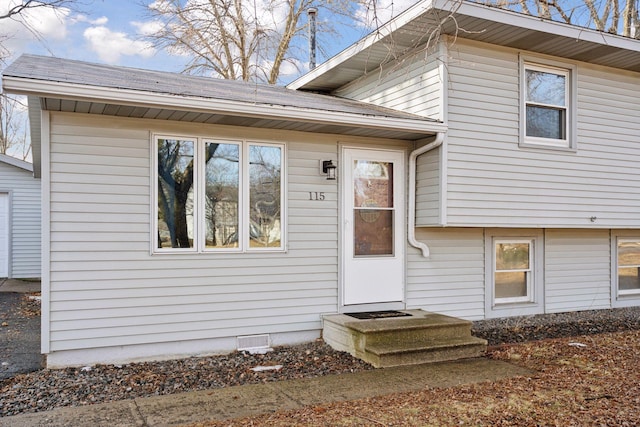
x=16, y=162
x=26, y=86
x=476, y=10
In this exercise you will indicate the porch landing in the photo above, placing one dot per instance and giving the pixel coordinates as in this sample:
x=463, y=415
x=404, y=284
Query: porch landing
x=423, y=337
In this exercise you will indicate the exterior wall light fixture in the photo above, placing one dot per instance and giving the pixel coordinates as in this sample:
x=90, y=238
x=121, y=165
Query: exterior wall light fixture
x=329, y=169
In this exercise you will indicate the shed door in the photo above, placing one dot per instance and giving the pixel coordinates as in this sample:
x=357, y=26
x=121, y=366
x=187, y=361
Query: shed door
x=373, y=233
x=4, y=235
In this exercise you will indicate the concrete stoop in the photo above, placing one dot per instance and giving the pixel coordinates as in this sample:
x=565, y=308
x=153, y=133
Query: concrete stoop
x=422, y=337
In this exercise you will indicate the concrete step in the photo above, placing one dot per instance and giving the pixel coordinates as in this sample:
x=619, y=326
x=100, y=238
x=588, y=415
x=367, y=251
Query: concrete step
x=384, y=356
x=422, y=337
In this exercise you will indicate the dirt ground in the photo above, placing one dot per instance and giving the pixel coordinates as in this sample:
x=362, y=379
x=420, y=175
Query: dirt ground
x=579, y=381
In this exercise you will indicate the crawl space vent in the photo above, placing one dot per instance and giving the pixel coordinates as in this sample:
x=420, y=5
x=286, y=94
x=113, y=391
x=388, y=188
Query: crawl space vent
x=254, y=343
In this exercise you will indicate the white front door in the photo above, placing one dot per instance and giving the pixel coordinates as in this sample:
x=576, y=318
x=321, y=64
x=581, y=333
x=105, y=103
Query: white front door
x=373, y=231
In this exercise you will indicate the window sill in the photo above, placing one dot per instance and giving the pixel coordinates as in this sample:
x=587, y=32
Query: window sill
x=536, y=146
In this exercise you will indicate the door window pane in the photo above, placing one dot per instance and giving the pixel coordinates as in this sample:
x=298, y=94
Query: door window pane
x=373, y=208
x=373, y=184
x=222, y=179
x=265, y=168
x=175, y=193
x=373, y=232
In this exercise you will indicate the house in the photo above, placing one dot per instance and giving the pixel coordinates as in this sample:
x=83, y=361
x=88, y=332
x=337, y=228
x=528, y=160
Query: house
x=19, y=219
x=486, y=167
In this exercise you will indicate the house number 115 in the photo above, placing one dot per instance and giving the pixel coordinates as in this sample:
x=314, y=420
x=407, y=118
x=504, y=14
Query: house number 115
x=316, y=195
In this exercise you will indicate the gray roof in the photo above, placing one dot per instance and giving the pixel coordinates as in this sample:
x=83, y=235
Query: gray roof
x=51, y=69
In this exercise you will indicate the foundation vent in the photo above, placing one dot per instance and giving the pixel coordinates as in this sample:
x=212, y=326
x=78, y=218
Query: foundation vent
x=254, y=343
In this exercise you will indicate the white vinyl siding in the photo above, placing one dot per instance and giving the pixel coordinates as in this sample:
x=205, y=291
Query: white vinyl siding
x=108, y=290
x=23, y=192
x=413, y=84
x=428, y=188
x=451, y=281
x=572, y=271
x=577, y=270
x=492, y=181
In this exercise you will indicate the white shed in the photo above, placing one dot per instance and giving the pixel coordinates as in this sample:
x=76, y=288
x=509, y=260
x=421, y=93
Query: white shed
x=19, y=219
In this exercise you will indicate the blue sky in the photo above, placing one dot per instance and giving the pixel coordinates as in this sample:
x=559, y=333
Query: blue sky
x=109, y=31
x=104, y=31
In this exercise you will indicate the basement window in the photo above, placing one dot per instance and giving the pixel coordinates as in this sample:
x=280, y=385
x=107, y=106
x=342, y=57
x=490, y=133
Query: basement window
x=626, y=274
x=514, y=284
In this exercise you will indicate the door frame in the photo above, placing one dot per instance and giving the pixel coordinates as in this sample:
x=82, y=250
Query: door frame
x=401, y=231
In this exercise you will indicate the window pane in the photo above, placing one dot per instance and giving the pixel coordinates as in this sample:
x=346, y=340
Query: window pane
x=512, y=256
x=628, y=279
x=546, y=88
x=629, y=253
x=175, y=193
x=265, y=167
x=373, y=184
x=222, y=178
x=372, y=232
x=544, y=122
x=511, y=284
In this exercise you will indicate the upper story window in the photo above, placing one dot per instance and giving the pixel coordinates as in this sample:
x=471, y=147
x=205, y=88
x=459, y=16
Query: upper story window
x=214, y=195
x=548, y=102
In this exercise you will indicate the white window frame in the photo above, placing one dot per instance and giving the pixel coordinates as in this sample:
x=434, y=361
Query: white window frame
x=530, y=277
x=533, y=303
x=622, y=298
x=554, y=67
x=199, y=245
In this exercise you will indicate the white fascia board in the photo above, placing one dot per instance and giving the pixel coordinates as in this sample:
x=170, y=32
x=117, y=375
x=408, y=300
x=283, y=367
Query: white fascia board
x=366, y=42
x=24, y=86
x=16, y=162
x=536, y=23
x=476, y=10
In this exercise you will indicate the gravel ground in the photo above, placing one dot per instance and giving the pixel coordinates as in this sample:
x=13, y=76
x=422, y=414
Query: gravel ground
x=47, y=389
x=560, y=325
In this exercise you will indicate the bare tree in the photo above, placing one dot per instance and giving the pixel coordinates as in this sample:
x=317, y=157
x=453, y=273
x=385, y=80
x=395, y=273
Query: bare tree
x=25, y=5
x=612, y=16
x=238, y=39
x=13, y=112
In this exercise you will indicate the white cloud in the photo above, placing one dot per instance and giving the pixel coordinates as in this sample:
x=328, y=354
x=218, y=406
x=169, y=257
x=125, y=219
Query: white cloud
x=111, y=45
x=83, y=18
x=40, y=23
x=147, y=28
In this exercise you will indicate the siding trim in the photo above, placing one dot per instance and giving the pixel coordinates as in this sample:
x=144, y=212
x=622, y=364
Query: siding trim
x=444, y=149
x=45, y=326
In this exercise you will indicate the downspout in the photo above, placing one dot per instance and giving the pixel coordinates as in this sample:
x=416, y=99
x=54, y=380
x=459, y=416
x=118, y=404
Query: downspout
x=412, y=192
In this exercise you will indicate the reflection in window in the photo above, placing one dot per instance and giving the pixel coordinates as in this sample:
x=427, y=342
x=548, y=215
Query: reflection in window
x=175, y=193
x=373, y=208
x=218, y=195
x=628, y=266
x=546, y=102
x=512, y=271
x=265, y=166
x=222, y=179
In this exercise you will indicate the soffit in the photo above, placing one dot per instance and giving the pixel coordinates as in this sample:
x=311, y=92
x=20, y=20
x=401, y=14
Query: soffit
x=427, y=20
